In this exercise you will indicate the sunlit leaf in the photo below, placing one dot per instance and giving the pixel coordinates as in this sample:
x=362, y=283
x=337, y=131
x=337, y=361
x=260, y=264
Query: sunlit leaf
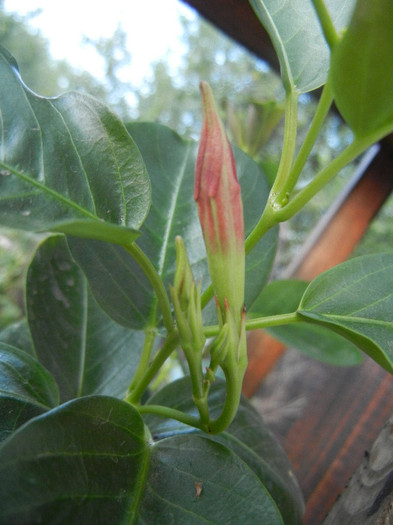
x=297, y=37
x=67, y=164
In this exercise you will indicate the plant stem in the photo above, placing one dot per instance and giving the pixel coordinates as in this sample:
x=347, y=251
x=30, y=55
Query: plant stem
x=264, y=224
x=156, y=282
x=322, y=110
x=207, y=296
x=161, y=356
x=358, y=146
x=171, y=413
x=328, y=28
x=194, y=361
x=150, y=335
x=260, y=322
x=278, y=195
x=233, y=386
x=272, y=320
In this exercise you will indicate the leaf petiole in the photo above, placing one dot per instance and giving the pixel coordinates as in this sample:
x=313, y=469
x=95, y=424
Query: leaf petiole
x=136, y=391
x=150, y=335
x=279, y=192
x=321, y=113
x=350, y=153
x=156, y=282
x=325, y=20
x=170, y=413
x=258, y=323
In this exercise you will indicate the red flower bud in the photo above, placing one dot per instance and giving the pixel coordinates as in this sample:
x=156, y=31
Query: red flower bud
x=217, y=193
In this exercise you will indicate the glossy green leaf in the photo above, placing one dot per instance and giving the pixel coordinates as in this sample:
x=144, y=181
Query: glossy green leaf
x=362, y=68
x=194, y=480
x=247, y=437
x=26, y=389
x=355, y=299
x=280, y=297
x=67, y=164
x=84, y=462
x=91, y=461
x=297, y=37
x=115, y=278
x=84, y=349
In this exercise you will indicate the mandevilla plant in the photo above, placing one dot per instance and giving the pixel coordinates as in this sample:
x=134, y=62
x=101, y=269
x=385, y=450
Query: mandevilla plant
x=128, y=276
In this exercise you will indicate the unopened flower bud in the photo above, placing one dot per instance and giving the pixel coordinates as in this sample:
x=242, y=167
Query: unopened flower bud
x=217, y=193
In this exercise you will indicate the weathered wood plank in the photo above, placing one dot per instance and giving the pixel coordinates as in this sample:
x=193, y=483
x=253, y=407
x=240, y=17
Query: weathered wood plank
x=368, y=499
x=326, y=418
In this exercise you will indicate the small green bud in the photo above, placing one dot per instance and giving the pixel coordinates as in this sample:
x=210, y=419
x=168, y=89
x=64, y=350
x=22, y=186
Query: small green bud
x=186, y=300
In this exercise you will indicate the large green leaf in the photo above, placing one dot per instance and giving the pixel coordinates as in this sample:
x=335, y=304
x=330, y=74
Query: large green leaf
x=297, y=37
x=67, y=164
x=355, y=299
x=247, y=437
x=84, y=349
x=362, y=68
x=194, y=480
x=84, y=462
x=91, y=461
x=115, y=278
x=281, y=297
x=26, y=389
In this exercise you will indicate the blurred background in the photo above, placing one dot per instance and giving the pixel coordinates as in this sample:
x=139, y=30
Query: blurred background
x=145, y=60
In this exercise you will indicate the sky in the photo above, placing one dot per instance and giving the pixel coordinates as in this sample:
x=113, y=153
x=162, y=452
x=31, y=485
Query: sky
x=152, y=26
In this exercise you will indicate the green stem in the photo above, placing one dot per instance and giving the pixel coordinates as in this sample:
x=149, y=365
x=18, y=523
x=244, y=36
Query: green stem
x=171, y=413
x=264, y=224
x=207, y=296
x=328, y=28
x=161, y=356
x=358, y=146
x=272, y=320
x=321, y=113
x=150, y=335
x=233, y=386
x=156, y=282
x=260, y=322
x=194, y=361
x=278, y=194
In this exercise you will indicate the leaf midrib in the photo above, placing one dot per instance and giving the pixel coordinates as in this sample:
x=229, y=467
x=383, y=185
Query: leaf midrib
x=53, y=193
x=346, y=318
